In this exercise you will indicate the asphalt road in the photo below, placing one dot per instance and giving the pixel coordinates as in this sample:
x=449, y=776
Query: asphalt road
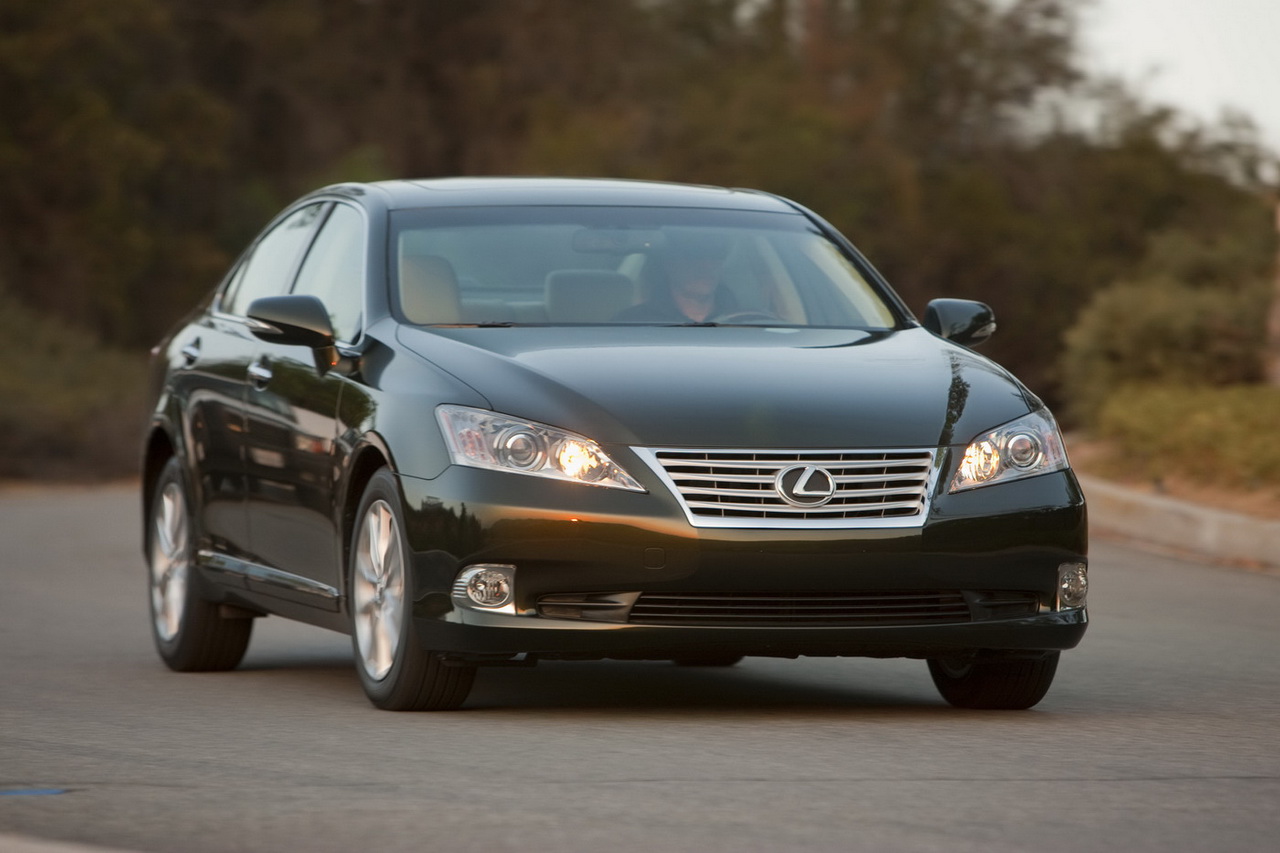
x=1162, y=731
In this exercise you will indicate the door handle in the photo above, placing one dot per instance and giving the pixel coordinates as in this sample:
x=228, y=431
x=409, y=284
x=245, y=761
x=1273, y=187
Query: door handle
x=190, y=352
x=260, y=374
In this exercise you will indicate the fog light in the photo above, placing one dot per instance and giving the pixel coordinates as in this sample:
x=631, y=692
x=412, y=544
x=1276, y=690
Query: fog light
x=1073, y=585
x=491, y=587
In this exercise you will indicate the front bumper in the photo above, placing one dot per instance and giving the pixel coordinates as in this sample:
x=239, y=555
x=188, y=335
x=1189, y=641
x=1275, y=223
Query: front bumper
x=1003, y=541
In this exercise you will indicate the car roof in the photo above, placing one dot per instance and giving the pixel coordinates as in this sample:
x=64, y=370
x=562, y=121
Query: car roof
x=475, y=192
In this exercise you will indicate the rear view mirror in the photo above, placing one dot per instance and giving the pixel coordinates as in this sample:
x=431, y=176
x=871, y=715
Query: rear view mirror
x=617, y=241
x=964, y=321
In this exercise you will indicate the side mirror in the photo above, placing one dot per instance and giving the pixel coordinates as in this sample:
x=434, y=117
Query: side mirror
x=964, y=321
x=295, y=320
x=291, y=320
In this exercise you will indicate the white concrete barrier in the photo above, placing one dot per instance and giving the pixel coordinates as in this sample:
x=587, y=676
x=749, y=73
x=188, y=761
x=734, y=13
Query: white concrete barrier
x=1173, y=523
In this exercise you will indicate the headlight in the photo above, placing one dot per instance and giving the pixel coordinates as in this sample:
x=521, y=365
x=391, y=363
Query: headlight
x=484, y=439
x=1029, y=446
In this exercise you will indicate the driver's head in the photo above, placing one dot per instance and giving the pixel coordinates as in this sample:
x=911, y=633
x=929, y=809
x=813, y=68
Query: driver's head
x=693, y=261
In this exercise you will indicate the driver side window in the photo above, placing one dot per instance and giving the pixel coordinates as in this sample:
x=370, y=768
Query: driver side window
x=268, y=270
x=334, y=270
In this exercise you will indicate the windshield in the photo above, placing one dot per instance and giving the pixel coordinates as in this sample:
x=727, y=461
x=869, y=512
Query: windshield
x=624, y=266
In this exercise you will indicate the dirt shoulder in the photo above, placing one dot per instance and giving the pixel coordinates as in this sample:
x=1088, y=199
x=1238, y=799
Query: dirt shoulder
x=1095, y=459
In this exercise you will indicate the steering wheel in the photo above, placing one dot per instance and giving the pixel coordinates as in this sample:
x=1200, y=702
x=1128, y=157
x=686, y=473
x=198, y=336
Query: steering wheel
x=743, y=316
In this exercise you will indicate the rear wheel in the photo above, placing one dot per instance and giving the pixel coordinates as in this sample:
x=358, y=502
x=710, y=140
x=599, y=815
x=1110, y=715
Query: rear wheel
x=1011, y=684
x=189, y=632
x=396, y=672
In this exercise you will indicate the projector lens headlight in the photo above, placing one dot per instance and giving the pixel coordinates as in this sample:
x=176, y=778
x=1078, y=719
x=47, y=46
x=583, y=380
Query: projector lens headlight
x=483, y=439
x=1026, y=447
x=522, y=449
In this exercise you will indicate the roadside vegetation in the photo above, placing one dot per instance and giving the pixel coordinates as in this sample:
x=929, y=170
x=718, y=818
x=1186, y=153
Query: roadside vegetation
x=1166, y=369
x=958, y=142
x=71, y=408
x=1224, y=436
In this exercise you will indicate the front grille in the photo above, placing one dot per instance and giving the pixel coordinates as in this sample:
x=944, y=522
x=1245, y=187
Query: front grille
x=911, y=607
x=737, y=488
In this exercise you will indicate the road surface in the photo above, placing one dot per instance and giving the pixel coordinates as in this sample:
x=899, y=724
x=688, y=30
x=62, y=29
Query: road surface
x=1162, y=731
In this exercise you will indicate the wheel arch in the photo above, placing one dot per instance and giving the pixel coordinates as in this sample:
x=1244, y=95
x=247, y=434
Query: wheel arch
x=367, y=461
x=158, y=450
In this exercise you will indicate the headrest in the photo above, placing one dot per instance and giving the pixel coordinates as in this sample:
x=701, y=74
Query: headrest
x=429, y=290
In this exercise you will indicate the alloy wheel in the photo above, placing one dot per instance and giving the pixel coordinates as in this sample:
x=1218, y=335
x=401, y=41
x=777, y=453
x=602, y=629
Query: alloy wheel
x=377, y=589
x=170, y=561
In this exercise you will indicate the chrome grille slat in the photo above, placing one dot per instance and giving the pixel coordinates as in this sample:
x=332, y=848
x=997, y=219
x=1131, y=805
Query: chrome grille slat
x=738, y=488
x=914, y=476
x=829, y=509
x=755, y=493
x=850, y=458
x=723, y=478
x=767, y=481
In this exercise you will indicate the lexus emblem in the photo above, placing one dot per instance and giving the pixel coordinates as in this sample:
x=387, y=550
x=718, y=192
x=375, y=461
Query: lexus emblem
x=805, y=485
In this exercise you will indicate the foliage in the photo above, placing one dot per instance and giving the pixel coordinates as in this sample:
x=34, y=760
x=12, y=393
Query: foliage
x=1224, y=436
x=144, y=142
x=1193, y=315
x=72, y=408
x=108, y=152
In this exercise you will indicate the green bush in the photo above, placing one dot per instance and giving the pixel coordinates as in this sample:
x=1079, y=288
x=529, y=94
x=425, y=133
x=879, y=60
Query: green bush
x=1225, y=436
x=1161, y=330
x=70, y=408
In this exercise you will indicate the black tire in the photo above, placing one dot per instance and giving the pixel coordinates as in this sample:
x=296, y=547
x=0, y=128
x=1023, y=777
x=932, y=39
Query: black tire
x=397, y=674
x=189, y=632
x=1008, y=684
x=722, y=660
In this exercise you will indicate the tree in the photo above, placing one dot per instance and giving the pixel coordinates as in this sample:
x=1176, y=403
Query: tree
x=1272, y=365
x=148, y=140
x=106, y=145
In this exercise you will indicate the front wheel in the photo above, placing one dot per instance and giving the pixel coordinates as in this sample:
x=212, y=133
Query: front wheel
x=396, y=672
x=1009, y=684
x=190, y=633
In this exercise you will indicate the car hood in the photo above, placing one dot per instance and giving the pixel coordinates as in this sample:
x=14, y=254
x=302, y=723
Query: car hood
x=732, y=386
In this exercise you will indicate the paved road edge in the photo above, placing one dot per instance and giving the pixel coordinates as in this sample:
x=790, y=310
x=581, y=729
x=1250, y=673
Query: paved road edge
x=1166, y=522
x=29, y=844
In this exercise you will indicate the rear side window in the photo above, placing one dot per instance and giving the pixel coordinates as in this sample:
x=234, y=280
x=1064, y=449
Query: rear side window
x=268, y=270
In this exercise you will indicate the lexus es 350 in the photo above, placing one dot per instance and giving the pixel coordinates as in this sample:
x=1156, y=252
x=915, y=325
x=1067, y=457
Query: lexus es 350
x=479, y=422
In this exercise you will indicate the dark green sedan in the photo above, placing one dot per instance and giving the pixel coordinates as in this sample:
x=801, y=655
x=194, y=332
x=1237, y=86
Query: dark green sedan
x=486, y=422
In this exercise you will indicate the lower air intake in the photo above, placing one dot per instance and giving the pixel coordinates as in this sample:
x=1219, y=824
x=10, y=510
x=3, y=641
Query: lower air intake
x=824, y=609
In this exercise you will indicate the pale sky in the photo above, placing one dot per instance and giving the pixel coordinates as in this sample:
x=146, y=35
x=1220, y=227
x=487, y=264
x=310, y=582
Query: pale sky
x=1197, y=55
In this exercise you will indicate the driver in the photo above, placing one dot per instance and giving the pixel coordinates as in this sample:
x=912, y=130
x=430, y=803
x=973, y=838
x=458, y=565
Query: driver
x=692, y=293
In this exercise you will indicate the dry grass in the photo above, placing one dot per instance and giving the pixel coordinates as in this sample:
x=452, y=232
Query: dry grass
x=1102, y=459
